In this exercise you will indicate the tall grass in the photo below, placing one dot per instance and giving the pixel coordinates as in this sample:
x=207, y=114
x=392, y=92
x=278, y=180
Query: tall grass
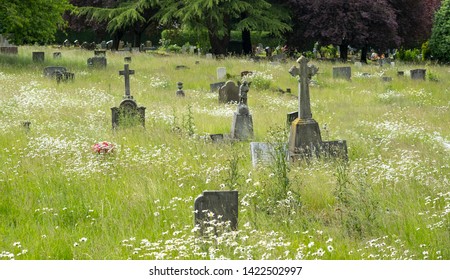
x=58, y=200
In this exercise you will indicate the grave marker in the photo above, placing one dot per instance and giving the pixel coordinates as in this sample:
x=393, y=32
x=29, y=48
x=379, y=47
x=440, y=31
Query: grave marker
x=38, y=56
x=221, y=73
x=180, y=91
x=242, y=125
x=9, y=50
x=97, y=62
x=57, y=55
x=212, y=207
x=342, y=72
x=305, y=139
x=418, y=74
x=128, y=108
x=229, y=92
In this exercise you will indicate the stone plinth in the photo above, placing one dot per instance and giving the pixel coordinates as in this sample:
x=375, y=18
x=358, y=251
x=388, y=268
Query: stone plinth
x=304, y=138
x=213, y=207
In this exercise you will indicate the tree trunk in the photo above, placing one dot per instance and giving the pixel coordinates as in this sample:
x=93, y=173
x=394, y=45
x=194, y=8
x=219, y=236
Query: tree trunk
x=218, y=45
x=344, y=52
x=246, y=42
x=137, y=38
x=363, y=55
x=116, y=39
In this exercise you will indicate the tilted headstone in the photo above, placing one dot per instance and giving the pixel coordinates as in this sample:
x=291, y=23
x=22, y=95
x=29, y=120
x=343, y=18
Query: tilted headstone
x=38, y=56
x=242, y=125
x=128, y=109
x=213, y=207
x=344, y=72
x=229, y=92
x=216, y=86
x=221, y=73
x=305, y=139
x=97, y=62
x=418, y=74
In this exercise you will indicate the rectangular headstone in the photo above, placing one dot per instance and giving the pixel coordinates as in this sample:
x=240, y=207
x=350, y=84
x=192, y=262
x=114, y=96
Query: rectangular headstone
x=38, y=56
x=221, y=73
x=418, y=74
x=51, y=71
x=358, y=64
x=99, y=53
x=209, y=56
x=221, y=206
x=262, y=153
x=97, y=62
x=342, y=72
x=9, y=50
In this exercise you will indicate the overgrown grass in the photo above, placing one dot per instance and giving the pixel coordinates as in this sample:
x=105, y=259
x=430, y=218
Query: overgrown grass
x=58, y=200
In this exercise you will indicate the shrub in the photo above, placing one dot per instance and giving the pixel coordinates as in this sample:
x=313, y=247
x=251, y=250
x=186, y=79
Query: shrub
x=440, y=34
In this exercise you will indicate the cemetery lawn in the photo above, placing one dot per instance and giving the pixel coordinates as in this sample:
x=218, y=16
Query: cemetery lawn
x=60, y=200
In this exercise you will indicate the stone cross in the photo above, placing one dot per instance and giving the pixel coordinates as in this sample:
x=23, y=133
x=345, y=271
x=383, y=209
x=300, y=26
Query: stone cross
x=127, y=72
x=305, y=72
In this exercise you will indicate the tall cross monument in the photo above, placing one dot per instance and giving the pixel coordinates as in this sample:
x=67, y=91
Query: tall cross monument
x=126, y=73
x=304, y=138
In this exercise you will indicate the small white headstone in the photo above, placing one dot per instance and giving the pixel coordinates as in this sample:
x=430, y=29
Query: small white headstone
x=392, y=64
x=261, y=153
x=209, y=56
x=221, y=73
x=358, y=64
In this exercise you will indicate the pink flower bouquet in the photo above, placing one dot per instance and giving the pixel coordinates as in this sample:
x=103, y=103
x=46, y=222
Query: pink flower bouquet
x=103, y=147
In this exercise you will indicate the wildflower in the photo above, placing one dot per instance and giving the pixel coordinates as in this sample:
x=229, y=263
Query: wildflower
x=329, y=240
x=75, y=244
x=330, y=248
x=83, y=239
x=310, y=244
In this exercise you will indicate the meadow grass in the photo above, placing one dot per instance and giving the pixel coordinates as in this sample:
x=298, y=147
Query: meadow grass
x=58, y=200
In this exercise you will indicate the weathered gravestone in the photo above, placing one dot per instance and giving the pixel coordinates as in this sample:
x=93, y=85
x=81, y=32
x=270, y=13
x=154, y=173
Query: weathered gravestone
x=128, y=111
x=214, y=207
x=229, y=93
x=262, y=153
x=38, y=56
x=99, y=53
x=242, y=125
x=97, y=62
x=58, y=72
x=57, y=55
x=221, y=73
x=305, y=139
x=344, y=72
x=209, y=56
x=9, y=50
x=127, y=59
x=418, y=74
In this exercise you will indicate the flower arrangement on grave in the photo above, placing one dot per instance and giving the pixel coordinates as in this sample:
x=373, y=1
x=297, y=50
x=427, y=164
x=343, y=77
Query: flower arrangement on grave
x=103, y=147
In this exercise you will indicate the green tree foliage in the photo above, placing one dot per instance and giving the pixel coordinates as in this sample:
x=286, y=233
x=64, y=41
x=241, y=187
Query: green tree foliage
x=31, y=21
x=219, y=17
x=440, y=35
x=127, y=15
